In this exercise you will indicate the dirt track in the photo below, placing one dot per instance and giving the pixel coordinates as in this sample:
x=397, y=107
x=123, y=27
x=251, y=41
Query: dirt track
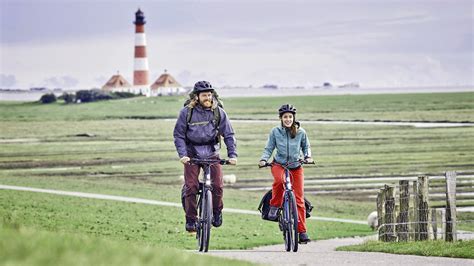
x=323, y=253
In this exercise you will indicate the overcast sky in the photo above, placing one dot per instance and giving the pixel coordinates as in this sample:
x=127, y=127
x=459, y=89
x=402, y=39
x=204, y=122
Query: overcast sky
x=81, y=44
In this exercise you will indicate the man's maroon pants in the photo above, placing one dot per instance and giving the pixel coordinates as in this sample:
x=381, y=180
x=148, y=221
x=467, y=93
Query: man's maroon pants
x=191, y=188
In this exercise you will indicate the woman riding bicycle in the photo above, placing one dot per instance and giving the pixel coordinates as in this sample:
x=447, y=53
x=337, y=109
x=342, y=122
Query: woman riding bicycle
x=289, y=140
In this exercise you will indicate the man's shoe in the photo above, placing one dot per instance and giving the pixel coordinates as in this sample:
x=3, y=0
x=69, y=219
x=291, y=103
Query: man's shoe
x=303, y=238
x=273, y=213
x=190, y=226
x=217, y=219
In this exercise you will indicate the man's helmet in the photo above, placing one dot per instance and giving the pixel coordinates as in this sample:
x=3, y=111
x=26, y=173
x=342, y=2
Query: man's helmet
x=287, y=108
x=202, y=86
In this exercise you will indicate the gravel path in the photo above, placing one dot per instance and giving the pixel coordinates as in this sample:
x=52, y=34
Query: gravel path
x=323, y=253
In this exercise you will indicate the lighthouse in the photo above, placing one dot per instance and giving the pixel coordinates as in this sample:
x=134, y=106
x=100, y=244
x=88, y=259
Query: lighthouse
x=140, y=73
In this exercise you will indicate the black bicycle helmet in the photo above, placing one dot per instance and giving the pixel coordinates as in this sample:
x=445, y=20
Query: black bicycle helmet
x=287, y=108
x=202, y=86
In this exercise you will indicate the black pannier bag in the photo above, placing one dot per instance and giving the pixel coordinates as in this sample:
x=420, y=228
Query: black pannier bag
x=264, y=207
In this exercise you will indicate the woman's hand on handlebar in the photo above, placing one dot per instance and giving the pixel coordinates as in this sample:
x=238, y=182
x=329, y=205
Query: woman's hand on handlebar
x=309, y=160
x=262, y=163
x=232, y=161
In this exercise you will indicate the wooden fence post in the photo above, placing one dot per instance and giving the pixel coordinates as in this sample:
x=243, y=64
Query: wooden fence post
x=380, y=216
x=415, y=231
x=434, y=224
x=443, y=224
x=404, y=207
x=450, y=233
x=423, y=208
x=389, y=214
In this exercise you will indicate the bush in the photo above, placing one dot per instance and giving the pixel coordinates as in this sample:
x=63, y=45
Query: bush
x=48, y=98
x=84, y=96
x=67, y=97
x=123, y=94
x=93, y=95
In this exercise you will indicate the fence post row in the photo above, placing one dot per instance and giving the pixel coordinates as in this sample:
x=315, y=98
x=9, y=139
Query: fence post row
x=394, y=221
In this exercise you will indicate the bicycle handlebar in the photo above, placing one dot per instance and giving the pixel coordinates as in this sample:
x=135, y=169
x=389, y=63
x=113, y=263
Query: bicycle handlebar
x=286, y=165
x=208, y=161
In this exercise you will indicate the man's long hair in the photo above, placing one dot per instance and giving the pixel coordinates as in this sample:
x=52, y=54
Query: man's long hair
x=194, y=100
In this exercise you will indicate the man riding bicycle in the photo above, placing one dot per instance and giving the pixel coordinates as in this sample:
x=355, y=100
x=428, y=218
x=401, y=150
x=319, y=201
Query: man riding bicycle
x=197, y=134
x=289, y=140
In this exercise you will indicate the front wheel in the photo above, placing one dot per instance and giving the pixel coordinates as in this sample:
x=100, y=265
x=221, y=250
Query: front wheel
x=290, y=219
x=294, y=223
x=205, y=220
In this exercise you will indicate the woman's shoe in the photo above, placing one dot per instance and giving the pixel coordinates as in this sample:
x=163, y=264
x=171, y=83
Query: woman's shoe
x=304, y=238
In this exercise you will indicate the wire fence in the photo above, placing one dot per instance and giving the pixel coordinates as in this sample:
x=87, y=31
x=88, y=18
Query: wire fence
x=407, y=215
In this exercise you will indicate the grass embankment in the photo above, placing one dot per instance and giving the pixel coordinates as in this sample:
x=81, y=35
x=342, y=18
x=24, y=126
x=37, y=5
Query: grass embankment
x=26, y=246
x=459, y=249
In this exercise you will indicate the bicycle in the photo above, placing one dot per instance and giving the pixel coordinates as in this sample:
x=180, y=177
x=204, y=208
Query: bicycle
x=205, y=215
x=288, y=222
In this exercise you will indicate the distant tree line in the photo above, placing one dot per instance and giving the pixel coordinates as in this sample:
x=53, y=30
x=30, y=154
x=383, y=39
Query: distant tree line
x=85, y=96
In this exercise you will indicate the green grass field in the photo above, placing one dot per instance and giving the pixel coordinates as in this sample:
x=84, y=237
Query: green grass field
x=130, y=152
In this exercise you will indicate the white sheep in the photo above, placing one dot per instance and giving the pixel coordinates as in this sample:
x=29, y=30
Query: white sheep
x=230, y=179
x=372, y=220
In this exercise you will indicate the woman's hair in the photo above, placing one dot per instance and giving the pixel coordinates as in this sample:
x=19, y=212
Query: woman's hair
x=293, y=128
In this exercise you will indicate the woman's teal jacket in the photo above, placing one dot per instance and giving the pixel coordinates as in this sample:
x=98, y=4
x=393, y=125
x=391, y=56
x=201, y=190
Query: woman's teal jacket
x=288, y=150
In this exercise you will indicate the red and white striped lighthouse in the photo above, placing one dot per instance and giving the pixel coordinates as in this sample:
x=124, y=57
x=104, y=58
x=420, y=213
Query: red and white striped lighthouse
x=140, y=73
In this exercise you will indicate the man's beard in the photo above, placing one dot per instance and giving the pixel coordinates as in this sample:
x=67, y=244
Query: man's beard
x=206, y=103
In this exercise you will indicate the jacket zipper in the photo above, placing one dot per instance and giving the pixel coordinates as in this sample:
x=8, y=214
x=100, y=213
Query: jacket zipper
x=287, y=147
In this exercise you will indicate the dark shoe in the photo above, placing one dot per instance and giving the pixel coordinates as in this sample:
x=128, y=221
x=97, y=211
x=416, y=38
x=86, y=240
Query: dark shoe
x=273, y=213
x=190, y=225
x=217, y=219
x=304, y=239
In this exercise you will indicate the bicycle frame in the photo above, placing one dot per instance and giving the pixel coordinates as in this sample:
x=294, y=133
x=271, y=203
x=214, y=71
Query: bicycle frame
x=288, y=221
x=205, y=214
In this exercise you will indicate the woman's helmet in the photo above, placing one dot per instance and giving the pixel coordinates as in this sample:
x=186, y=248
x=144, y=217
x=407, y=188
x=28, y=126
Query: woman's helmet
x=202, y=86
x=287, y=108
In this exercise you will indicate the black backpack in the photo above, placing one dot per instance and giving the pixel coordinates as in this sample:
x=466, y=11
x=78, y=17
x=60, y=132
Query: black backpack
x=217, y=114
x=264, y=207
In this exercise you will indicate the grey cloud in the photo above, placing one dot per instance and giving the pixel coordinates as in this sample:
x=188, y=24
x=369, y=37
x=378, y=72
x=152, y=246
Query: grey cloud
x=101, y=79
x=63, y=82
x=184, y=78
x=7, y=80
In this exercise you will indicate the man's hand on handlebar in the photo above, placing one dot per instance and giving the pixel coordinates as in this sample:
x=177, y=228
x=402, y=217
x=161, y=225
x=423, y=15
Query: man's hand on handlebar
x=232, y=161
x=184, y=159
x=262, y=163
